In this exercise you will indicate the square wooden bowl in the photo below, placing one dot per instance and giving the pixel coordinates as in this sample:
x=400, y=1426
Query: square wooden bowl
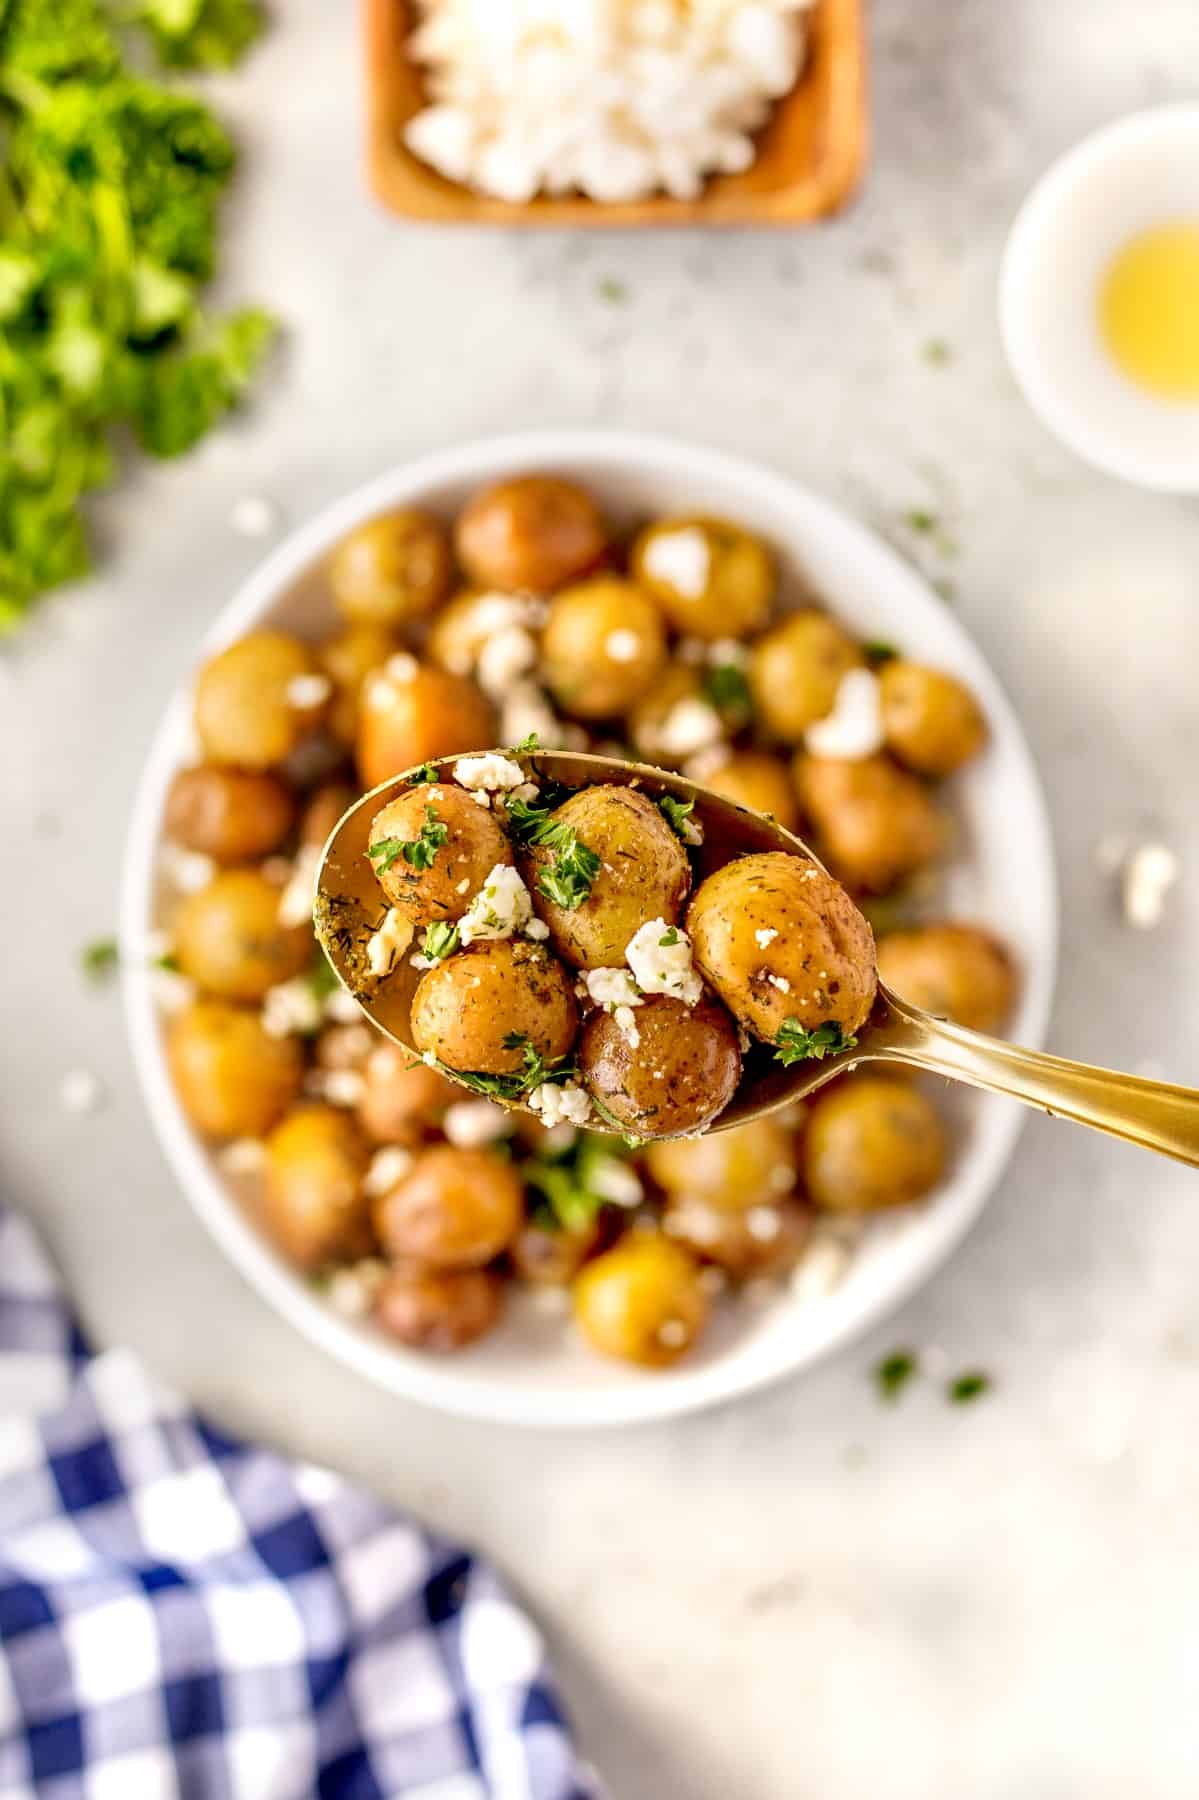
x=809, y=158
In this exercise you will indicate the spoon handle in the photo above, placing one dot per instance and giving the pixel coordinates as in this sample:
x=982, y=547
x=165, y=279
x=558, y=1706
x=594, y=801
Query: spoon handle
x=1154, y=1114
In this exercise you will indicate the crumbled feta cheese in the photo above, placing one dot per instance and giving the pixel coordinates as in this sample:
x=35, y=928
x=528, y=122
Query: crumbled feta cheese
x=254, y=516
x=558, y=1139
x=660, y=957
x=306, y=692
x=527, y=713
x=341, y=1008
x=244, y=1156
x=538, y=930
x=291, y=1009
x=299, y=891
x=549, y=1299
x=187, y=870
x=528, y=791
x=690, y=725
x=402, y=666
x=1149, y=874
x=502, y=907
x=622, y=646
x=673, y=1334
x=763, y=1223
x=626, y=1024
x=80, y=1091
x=504, y=658
x=387, y=1167
x=556, y=1103
x=854, y=728
x=728, y=653
x=781, y=1178
x=610, y=988
x=491, y=772
x=463, y=886
x=704, y=764
x=388, y=944
x=470, y=1123
x=343, y=1087
x=679, y=559
x=172, y=991
x=351, y=1291
x=780, y=982
x=482, y=798
x=821, y=1268
x=616, y=1181
x=765, y=937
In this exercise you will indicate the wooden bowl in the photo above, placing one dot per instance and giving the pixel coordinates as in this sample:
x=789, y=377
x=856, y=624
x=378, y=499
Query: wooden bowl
x=809, y=157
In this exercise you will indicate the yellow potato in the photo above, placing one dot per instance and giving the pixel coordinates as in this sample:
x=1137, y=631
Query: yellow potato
x=532, y=534
x=958, y=972
x=679, y=1076
x=751, y=1165
x=875, y=824
x=391, y=569
x=871, y=1143
x=233, y=1079
x=232, y=815
x=931, y=722
x=412, y=715
x=711, y=579
x=465, y=1008
x=761, y=782
x=795, y=671
x=347, y=659
x=767, y=1239
x=256, y=701
x=401, y=1099
x=602, y=648
x=462, y=859
x=313, y=1203
x=454, y=1209
x=229, y=940
x=641, y=1302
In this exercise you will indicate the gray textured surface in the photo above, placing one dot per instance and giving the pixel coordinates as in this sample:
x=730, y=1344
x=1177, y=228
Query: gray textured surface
x=805, y=1597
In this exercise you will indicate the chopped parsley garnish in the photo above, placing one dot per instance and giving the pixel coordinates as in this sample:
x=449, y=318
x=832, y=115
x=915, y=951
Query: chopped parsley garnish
x=568, y=880
x=727, y=689
x=417, y=852
x=672, y=937
x=441, y=939
x=918, y=519
x=535, y=1072
x=526, y=746
x=572, y=1184
x=426, y=772
x=676, y=813
x=937, y=353
x=322, y=976
x=971, y=1385
x=877, y=653
x=794, y=1044
x=613, y=291
x=99, y=959
x=618, y=1125
x=168, y=963
x=894, y=1372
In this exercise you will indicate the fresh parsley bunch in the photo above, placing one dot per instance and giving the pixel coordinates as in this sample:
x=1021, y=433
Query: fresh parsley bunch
x=109, y=188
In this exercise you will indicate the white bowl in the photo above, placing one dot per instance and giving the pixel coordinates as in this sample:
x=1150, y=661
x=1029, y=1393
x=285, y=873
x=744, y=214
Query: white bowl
x=532, y=1371
x=1141, y=172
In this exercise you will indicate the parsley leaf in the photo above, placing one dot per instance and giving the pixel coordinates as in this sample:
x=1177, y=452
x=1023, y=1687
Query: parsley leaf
x=526, y=746
x=971, y=1385
x=200, y=34
x=569, y=879
x=534, y=1072
x=894, y=1372
x=100, y=959
x=793, y=1044
x=441, y=939
x=877, y=653
x=613, y=291
x=672, y=937
x=677, y=813
x=426, y=772
x=418, y=852
x=728, y=690
x=322, y=976
x=578, y=1183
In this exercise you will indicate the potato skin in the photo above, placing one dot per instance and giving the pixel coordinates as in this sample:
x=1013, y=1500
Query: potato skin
x=347, y=659
x=464, y=1009
x=229, y=940
x=874, y=822
x=532, y=534
x=681, y=1075
x=871, y=1143
x=958, y=972
x=475, y=844
x=401, y=1099
x=578, y=665
x=412, y=714
x=454, y=1209
x=641, y=1302
x=762, y=783
x=232, y=815
x=644, y=874
x=438, y=1309
x=751, y=1165
x=546, y=1257
x=932, y=723
x=391, y=569
x=243, y=712
x=312, y=1201
x=736, y=596
x=767, y=1239
x=648, y=717
x=795, y=671
x=233, y=1080
x=822, y=959
x=323, y=811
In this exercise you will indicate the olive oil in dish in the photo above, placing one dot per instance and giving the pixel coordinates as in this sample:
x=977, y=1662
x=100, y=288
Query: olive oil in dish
x=1149, y=310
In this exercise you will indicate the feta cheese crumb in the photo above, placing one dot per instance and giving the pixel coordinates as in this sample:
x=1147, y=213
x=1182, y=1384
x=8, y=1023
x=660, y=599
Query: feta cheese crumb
x=343, y=1087
x=854, y=728
x=503, y=659
x=389, y=943
x=187, y=870
x=481, y=798
x=470, y=1123
x=254, y=516
x=463, y=886
x=660, y=958
x=351, y=1291
x=538, y=930
x=821, y=1268
x=387, y=1167
x=1149, y=874
x=622, y=646
x=299, y=890
x=244, y=1156
x=680, y=559
x=781, y=1178
x=491, y=773
x=705, y=763
x=763, y=1223
x=626, y=1024
x=780, y=982
x=556, y=1103
x=341, y=1008
x=291, y=1009
x=526, y=712
x=80, y=1091
x=690, y=725
x=765, y=937
x=172, y=991
x=501, y=908
x=616, y=1181
x=306, y=692
x=610, y=988
x=673, y=1334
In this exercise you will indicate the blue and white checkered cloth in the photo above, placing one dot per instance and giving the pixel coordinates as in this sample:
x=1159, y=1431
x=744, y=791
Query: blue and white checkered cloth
x=187, y=1618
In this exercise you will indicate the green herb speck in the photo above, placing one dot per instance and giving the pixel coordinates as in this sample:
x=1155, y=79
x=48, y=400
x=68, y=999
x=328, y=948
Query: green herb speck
x=894, y=1372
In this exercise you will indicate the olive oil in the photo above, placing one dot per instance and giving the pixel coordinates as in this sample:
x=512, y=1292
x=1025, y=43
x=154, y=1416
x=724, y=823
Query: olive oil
x=1149, y=310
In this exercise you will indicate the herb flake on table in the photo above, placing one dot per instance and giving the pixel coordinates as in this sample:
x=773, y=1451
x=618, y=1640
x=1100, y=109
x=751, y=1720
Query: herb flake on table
x=937, y=353
x=893, y=1374
x=795, y=1044
x=967, y=1387
x=100, y=960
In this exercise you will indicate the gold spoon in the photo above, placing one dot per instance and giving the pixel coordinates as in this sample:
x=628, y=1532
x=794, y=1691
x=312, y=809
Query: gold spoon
x=349, y=905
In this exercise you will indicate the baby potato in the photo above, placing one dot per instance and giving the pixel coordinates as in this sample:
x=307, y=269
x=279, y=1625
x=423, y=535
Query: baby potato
x=466, y=1009
x=232, y=815
x=779, y=940
x=679, y=1076
x=930, y=721
x=438, y=1309
x=462, y=861
x=643, y=874
x=257, y=700
x=711, y=578
x=532, y=534
x=454, y=1209
x=761, y=782
x=233, y=1079
x=958, y=972
x=795, y=671
x=875, y=823
x=412, y=715
x=870, y=1143
x=391, y=569
x=603, y=647
x=323, y=810
x=641, y=1302
x=229, y=940
x=401, y=1099
x=347, y=659
x=551, y=1256
x=313, y=1202
x=767, y=1239
x=751, y=1165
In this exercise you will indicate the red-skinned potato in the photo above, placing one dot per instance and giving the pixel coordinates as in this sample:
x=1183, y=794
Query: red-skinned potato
x=438, y=1309
x=453, y=1209
x=531, y=535
x=232, y=815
